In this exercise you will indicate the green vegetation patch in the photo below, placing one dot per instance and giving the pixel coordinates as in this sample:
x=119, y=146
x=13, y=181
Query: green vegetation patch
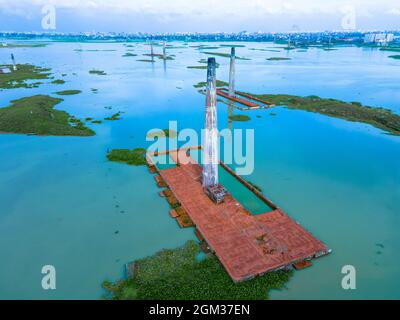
x=129, y=54
x=35, y=115
x=135, y=157
x=224, y=55
x=178, y=275
x=378, y=117
x=114, y=117
x=165, y=133
x=219, y=84
x=24, y=72
x=197, y=67
x=397, y=57
x=145, y=60
x=394, y=49
x=239, y=117
x=22, y=45
x=58, y=81
x=98, y=72
x=68, y=92
x=278, y=59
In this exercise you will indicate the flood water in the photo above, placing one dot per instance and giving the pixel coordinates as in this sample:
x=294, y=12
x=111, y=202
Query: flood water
x=63, y=204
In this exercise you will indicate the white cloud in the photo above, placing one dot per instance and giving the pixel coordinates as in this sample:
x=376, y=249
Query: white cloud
x=394, y=11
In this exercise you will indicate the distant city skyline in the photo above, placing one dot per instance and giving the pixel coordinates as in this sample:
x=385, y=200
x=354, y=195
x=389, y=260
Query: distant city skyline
x=201, y=16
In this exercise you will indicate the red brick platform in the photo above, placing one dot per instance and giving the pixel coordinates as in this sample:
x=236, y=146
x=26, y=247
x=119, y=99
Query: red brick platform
x=247, y=245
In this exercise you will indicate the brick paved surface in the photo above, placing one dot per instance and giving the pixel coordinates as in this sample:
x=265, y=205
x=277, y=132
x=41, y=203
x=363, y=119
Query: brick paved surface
x=247, y=245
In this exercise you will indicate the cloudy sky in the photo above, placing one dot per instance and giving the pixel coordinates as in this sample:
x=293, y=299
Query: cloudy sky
x=201, y=15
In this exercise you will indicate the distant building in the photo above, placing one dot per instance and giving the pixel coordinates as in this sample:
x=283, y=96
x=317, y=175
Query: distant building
x=379, y=38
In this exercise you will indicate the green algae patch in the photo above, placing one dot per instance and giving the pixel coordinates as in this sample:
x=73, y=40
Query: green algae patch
x=23, y=45
x=135, y=157
x=145, y=60
x=98, y=72
x=224, y=55
x=239, y=117
x=165, y=133
x=397, y=57
x=19, y=77
x=393, y=49
x=278, y=59
x=36, y=115
x=197, y=67
x=219, y=84
x=68, y=92
x=179, y=275
x=114, y=117
x=378, y=117
x=58, y=81
x=97, y=121
x=130, y=54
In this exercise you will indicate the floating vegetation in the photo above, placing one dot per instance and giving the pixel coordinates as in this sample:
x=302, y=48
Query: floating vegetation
x=224, y=55
x=166, y=57
x=17, y=78
x=206, y=61
x=58, y=81
x=197, y=67
x=114, y=117
x=95, y=50
x=378, y=117
x=165, y=133
x=178, y=275
x=272, y=114
x=98, y=72
x=22, y=45
x=68, y=92
x=145, y=60
x=397, y=57
x=394, y=49
x=232, y=45
x=94, y=90
x=219, y=84
x=135, y=157
x=130, y=54
x=278, y=59
x=36, y=115
x=97, y=121
x=239, y=117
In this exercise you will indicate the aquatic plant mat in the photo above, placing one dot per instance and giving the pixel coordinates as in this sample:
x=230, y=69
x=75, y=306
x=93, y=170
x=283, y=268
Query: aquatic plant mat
x=178, y=275
x=36, y=115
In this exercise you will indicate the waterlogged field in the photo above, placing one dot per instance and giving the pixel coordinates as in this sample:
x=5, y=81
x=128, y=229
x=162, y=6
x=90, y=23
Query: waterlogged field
x=63, y=203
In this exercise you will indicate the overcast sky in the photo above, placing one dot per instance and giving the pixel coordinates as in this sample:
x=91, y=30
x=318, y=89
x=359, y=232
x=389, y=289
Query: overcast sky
x=201, y=15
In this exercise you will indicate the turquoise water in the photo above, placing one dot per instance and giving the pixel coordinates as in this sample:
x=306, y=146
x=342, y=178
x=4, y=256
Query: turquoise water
x=62, y=203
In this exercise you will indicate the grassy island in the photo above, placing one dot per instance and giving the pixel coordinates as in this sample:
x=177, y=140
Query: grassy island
x=278, y=59
x=19, y=77
x=224, y=55
x=36, y=115
x=219, y=84
x=179, y=275
x=129, y=54
x=114, y=117
x=58, y=81
x=239, y=117
x=23, y=45
x=135, y=157
x=378, y=117
x=98, y=72
x=68, y=92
